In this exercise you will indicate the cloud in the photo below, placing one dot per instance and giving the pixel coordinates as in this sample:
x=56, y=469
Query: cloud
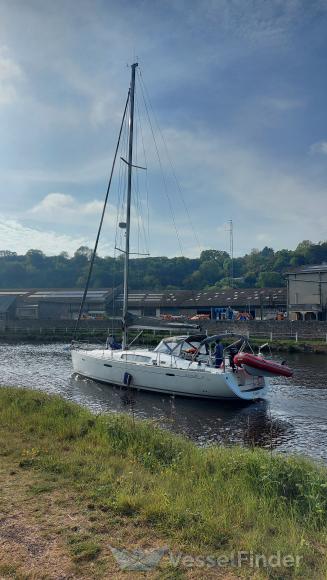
x=92, y=170
x=9, y=70
x=16, y=237
x=229, y=76
x=320, y=147
x=59, y=210
x=98, y=102
x=283, y=103
x=62, y=211
x=10, y=73
x=246, y=183
x=266, y=23
x=62, y=202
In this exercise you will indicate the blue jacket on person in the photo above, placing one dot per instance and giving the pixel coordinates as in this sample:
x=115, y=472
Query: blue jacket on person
x=219, y=351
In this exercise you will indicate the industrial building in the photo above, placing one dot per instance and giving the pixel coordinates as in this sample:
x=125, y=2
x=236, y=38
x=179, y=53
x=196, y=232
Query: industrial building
x=307, y=292
x=8, y=304
x=7, y=307
x=64, y=304
x=260, y=303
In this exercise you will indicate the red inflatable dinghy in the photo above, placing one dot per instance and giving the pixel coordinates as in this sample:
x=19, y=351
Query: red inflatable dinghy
x=259, y=366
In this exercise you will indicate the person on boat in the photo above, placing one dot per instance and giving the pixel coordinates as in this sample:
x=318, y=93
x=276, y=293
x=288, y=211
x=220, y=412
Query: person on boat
x=219, y=353
x=112, y=343
x=232, y=352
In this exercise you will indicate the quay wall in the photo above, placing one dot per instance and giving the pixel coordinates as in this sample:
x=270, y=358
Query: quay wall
x=49, y=324
x=271, y=329
x=45, y=329
x=267, y=329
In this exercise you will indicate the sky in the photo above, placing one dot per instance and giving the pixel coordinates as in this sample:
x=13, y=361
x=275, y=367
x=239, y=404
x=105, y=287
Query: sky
x=238, y=89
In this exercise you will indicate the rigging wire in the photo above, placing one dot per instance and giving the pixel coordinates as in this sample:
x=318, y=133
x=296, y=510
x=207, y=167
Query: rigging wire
x=179, y=188
x=144, y=91
x=197, y=241
x=135, y=192
x=121, y=197
x=137, y=202
x=147, y=239
x=101, y=222
x=135, y=182
x=138, y=196
x=161, y=168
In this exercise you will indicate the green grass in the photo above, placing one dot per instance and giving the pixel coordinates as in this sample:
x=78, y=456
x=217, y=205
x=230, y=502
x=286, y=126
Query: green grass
x=82, y=548
x=210, y=501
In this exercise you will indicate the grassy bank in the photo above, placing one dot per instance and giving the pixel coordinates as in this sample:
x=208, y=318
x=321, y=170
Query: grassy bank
x=290, y=345
x=73, y=484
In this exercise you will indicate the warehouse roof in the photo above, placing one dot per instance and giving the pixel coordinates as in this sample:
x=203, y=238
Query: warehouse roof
x=14, y=292
x=206, y=298
x=69, y=295
x=145, y=298
x=309, y=269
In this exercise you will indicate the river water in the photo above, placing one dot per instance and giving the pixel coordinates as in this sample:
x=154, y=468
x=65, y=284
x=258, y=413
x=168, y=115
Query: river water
x=292, y=418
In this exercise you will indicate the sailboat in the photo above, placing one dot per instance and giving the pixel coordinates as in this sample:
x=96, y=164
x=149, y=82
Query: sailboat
x=179, y=365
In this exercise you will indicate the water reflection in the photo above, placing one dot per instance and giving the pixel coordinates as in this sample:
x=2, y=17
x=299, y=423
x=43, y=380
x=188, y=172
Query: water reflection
x=292, y=419
x=205, y=422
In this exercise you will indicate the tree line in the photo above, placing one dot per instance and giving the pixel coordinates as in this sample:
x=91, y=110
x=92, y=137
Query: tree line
x=259, y=268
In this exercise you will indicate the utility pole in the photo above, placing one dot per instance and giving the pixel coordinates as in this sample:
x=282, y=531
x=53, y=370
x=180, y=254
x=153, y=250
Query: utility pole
x=128, y=203
x=231, y=254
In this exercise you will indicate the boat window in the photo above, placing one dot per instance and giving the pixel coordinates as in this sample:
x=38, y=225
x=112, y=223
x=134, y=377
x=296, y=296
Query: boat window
x=196, y=344
x=162, y=347
x=136, y=358
x=165, y=347
x=203, y=349
x=177, y=349
x=190, y=347
x=171, y=345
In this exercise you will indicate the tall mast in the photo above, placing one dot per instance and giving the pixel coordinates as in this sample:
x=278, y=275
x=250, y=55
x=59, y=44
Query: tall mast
x=231, y=254
x=128, y=209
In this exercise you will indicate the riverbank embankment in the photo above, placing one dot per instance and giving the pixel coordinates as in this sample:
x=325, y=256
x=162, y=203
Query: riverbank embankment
x=75, y=485
x=282, y=336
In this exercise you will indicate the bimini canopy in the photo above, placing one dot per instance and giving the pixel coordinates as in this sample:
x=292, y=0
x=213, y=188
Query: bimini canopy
x=215, y=337
x=176, y=344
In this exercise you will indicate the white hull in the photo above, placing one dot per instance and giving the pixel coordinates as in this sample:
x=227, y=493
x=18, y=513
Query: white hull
x=166, y=374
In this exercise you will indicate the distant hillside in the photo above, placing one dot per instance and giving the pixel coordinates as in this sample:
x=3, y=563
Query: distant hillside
x=211, y=270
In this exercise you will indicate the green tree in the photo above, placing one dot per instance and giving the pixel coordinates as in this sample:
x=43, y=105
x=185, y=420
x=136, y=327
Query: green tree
x=35, y=258
x=270, y=280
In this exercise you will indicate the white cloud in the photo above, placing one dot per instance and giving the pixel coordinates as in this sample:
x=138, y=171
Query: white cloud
x=10, y=73
x=271, y=23
x=9, y=70
x=320, y=147
x=76, y=83
x=16, y=237
x=51, y=206
x=8, y=95
x=62, y=211
x=90, y=170
x=251, y=184
x=104, y=108
x=59, y=210
x=283, y=103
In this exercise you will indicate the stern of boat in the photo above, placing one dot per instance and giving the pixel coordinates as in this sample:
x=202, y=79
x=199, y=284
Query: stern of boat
x=246, y=386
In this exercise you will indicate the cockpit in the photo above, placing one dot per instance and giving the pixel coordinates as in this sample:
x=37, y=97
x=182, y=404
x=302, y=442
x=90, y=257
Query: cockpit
x=185, y=346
